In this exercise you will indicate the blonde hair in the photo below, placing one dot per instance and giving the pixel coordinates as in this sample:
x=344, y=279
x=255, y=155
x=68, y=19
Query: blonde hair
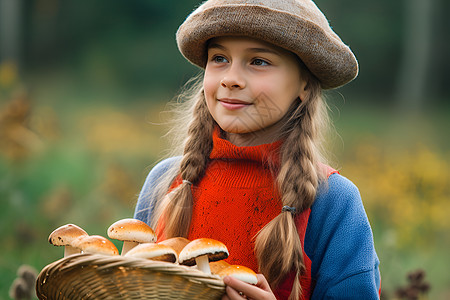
x=297, y=180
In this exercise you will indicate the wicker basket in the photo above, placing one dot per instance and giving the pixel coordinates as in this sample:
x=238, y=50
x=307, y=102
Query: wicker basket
x=89, y=276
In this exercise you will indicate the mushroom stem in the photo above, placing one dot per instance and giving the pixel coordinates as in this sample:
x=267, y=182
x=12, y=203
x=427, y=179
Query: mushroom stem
x=127, y=246
x=69, y=250
x=203, y=264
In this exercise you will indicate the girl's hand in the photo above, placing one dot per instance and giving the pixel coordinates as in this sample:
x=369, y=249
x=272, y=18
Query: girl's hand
x=237, y=289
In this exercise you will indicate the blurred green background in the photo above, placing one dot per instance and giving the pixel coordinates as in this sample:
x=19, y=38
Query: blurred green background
x=83, y=85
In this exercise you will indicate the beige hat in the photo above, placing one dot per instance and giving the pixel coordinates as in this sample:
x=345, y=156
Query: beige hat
x=296, y=25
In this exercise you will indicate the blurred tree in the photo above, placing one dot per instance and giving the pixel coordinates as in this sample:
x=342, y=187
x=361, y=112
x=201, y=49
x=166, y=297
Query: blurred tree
x=11, y=31
x=416, y=58
x=440, y=81
x=372, y=30
x=106, y=45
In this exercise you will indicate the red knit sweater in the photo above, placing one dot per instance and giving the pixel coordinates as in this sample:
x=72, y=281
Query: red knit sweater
x=236, y=198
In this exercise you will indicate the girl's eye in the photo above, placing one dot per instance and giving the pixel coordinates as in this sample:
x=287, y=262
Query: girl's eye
x=219, y=59
x=260, y=62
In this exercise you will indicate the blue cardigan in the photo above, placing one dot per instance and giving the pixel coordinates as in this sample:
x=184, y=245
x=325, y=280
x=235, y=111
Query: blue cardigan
x=338, y=238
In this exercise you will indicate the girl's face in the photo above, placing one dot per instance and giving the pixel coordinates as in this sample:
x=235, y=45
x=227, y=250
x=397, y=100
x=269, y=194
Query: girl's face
x=249, y=86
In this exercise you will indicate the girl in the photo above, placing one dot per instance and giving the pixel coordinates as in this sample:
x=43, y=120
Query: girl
x=251, y=171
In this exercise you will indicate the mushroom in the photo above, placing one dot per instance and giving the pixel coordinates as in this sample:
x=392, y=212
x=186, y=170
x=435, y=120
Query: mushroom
x=95, y=244
x=240, y=272
x=217, y=266
x=64, y=236
x=201, y=252
x=177, y=243
x=131, y=232
x=154, y=251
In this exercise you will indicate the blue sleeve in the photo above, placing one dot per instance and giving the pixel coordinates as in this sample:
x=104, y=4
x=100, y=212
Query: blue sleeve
x=146, y=201
x=339, y=242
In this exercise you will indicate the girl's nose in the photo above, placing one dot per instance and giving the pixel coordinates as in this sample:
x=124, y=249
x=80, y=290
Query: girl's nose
x=233, y=79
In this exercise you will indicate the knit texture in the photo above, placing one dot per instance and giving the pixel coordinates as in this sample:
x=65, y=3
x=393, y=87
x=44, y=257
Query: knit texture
x=338, y=242
x=235, y=199
x=296, y=25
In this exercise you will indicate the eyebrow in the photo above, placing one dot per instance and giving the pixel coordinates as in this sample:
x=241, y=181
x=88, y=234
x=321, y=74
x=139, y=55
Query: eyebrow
x=256, y=49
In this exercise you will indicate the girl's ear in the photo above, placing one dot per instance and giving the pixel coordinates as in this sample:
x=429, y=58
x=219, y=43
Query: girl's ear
x=304, y=90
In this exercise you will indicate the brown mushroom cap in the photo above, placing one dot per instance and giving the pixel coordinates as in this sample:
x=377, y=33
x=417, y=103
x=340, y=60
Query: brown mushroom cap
x=217, y=266
x=214, y=249
x=177, y=243
x=65, y=235
x=240, y=272
x=154, y=252
x=132, y=230
x=95, y=244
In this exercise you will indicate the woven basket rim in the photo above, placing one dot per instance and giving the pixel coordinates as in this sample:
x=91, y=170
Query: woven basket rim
x=49, y=277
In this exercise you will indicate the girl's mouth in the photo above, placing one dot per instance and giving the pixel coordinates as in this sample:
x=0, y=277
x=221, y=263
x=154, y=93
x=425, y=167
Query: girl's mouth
x=233, y=104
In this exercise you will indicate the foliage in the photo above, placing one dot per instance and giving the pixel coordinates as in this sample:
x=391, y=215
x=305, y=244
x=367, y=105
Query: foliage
x=416, y=288
x=406, y=190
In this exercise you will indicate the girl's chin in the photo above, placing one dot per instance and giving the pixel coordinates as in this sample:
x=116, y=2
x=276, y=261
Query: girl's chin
x=236, y=129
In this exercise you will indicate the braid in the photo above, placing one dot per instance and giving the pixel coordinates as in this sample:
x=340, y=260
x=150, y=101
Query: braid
x=299, y=158
x=197, y=148
x=298, y=179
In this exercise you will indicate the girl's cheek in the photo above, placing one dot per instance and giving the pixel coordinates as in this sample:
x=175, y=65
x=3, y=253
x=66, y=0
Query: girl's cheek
x=209, y=84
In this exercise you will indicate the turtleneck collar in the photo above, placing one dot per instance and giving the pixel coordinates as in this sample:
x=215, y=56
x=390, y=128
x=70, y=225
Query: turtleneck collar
x=267, y=154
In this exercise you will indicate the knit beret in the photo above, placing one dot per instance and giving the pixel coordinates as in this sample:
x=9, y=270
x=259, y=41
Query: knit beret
x=296, y=25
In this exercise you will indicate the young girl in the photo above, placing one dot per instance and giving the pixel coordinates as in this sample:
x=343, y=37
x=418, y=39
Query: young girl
x=251, y=171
